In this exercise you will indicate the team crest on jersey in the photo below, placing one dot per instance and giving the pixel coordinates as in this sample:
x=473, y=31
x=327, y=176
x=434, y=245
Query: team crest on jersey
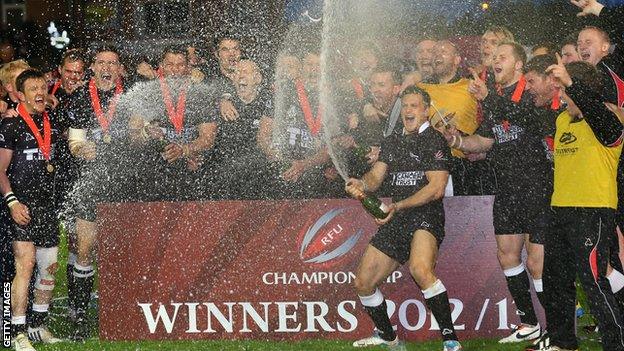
x=439, y=156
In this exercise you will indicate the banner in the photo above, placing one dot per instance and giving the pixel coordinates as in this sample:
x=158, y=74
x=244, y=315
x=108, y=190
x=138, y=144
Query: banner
x=282, y=270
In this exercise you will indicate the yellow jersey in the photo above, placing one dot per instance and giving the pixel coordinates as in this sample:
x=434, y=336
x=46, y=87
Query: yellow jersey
x=585, y=169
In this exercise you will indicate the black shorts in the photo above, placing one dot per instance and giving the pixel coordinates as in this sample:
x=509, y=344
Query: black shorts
x=395, y=238
x=42, y=230
x=514, y=214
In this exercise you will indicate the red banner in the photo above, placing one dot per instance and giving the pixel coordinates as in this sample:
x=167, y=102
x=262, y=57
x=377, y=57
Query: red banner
x=281, y=270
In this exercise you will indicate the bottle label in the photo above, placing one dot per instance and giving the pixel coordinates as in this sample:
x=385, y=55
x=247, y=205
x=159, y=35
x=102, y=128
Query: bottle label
x=384, y=207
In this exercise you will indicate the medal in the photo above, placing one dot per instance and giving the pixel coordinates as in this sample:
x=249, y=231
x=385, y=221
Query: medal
x=107, y=138
x=176, y=114
x=44, y=142
x=104, y=120
x=49, y=168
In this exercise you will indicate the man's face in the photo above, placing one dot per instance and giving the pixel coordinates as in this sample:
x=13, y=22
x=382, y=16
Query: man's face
x=228, y=54
x=364, y=62
x=289, y=67
x=489, y=43
x=446, y=59
x=72, y=73
x=248, y=77
x=7, y=53
x=413, y=112
x=174, y=65
x=540, y=87
x=311, y=70
x=106, y=69
x=383, y=88
x=569, y=54
x=424, y=58
x=592, y=46
x=34, y=95
x=505, y=65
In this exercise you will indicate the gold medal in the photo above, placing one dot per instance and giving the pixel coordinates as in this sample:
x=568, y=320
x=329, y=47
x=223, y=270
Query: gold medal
x=107, y=138
x=49, y=168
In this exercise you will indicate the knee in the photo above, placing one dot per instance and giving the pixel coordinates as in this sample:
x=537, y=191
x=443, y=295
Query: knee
x=363, y=287
x=25, y=263
x=422, y=272
x=535, y=266
x=507, y=258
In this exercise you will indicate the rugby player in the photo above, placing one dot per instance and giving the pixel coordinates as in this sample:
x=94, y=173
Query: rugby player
x=27, y=167
x=414, y=228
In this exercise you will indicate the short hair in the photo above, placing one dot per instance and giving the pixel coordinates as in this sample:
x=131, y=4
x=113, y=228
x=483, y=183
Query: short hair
x=413, y=89
x=600, y=31
x=73, y=55
x=549, y=46
x=30, y=73
x=501, y=31
x=103, y=48
x=174, y=49
x=223, y=37
x=386, y=66
x=517, y=50
x=570, y=39
x=540, y=63
x=8, y=70
x=586, y=73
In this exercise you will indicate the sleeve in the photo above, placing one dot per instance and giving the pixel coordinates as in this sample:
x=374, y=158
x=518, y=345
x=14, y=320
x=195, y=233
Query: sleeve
x=485, y=128
x=8, y=135
x=610, y=20
x=76, y=112
x=604, y=123
x=385, y=152
x=437, y=156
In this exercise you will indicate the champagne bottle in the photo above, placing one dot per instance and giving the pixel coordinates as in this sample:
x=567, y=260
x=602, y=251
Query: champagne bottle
x=375, y=207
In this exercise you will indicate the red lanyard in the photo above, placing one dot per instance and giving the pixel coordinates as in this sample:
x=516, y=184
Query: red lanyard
x=517, y=94
x=176, y=114
x=314, y=123
x=44, y=142
x=97, y=108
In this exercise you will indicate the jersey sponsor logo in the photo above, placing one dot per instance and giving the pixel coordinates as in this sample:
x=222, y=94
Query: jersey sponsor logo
x=29, y=137
x=414, y=156
x=300, y=137
x=447, y=331
x=412, y=178
x=35, y=154
x=506, y=132
x=567, y=138
x=1, y=137
x=424, y=224
x=588, y=242
x=330, y=237
x=187, y=135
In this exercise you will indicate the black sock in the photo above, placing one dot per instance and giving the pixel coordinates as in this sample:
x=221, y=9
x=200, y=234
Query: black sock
x=37, y=319
x=379, y=315
x=18, y=328
x=71, y=286
x=437, y=300
x=83, y=284
x=520, y=289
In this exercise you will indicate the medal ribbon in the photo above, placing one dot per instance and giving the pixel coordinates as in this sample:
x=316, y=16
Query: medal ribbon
x=517, y=94
x=97, y=108
x=314, y=123
x=55, y=87
x=176, y=114
x=44, y=142
x=554, y=105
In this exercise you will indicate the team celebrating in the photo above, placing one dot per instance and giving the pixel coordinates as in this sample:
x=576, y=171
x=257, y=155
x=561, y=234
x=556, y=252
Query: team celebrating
x=541, y=131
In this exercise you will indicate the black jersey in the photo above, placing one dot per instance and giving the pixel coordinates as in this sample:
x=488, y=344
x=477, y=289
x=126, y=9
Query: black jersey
x=10, y=103
x=409, y=156
x=199, y=109
x=61, y=95
x=520, y=136
x=81, y=115
x=239, y=137
x=294, y=137
x=31, y=180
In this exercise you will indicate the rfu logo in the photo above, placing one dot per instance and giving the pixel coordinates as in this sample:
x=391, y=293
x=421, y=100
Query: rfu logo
x=328, y=238
x=567, y=138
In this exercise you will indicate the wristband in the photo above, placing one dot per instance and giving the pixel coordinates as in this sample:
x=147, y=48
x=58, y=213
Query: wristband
x=10, y=199
x=461, y=142
x=453, y=142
